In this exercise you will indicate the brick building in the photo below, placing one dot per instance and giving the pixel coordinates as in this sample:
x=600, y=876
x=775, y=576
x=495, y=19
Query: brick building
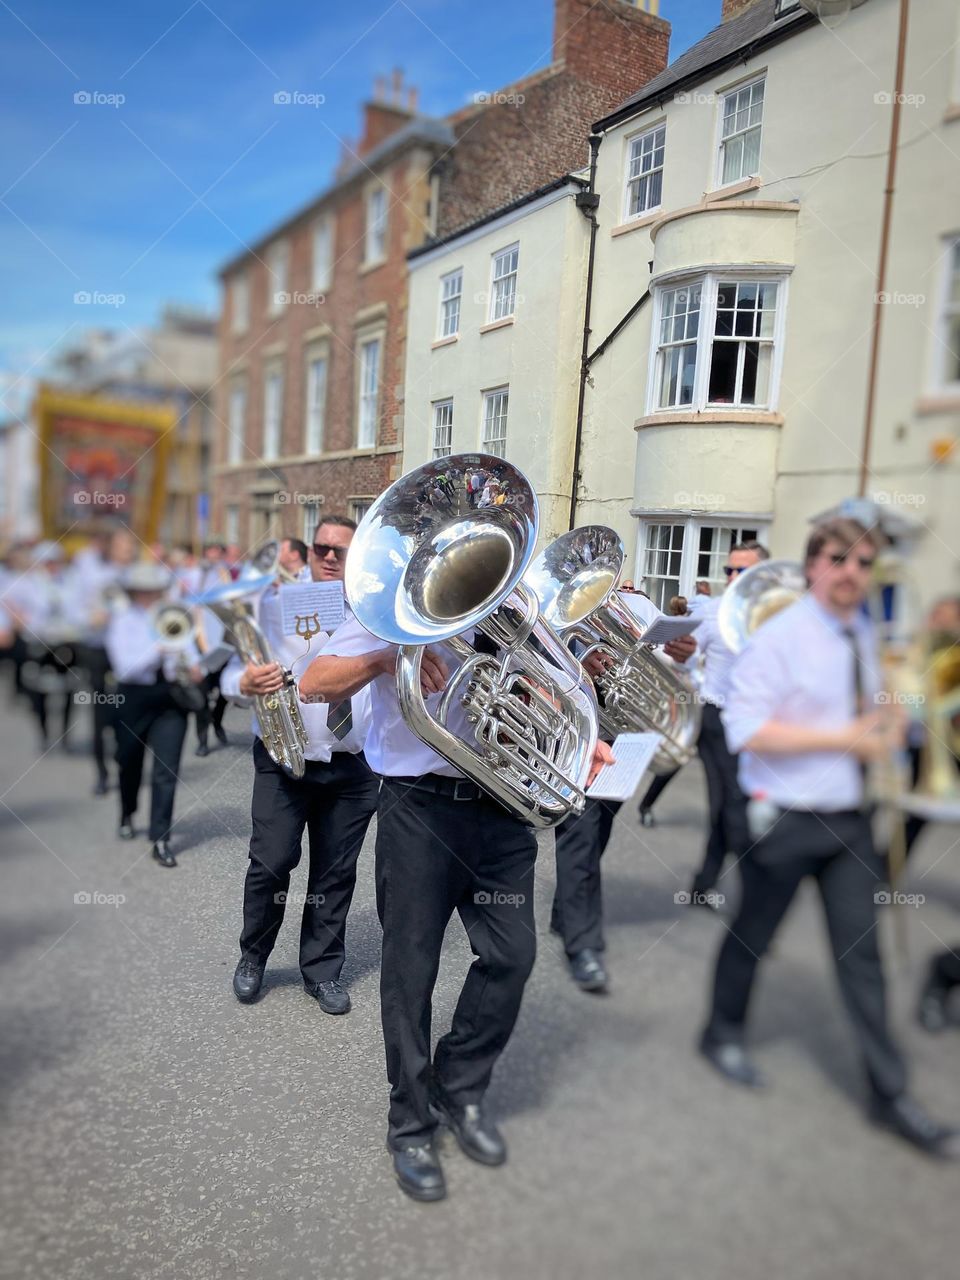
x=313, y=323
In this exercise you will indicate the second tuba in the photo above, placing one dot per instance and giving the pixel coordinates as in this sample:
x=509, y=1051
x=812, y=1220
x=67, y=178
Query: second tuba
x=575, y=578
x=757, y=594
x=439, y=559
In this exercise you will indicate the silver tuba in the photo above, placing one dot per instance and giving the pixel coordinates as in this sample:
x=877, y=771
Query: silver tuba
x=756, y=595
x=174, y=629
x=278, y=714
x=575, y=578
x=439, y=559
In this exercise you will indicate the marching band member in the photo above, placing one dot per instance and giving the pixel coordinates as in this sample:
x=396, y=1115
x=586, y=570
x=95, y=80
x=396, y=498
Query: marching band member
x=334, y=800
x=796, y=708
x=150, y=711
x=727, y=805
x=44, y=605
x=293, y=559
x=443, y=845
x=209, y=573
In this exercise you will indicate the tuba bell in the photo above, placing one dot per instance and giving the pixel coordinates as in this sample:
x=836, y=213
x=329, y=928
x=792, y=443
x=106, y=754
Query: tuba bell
x=575, y=578
x=174, y=629
x=758, y=593
x=439, y=560
x=281, y=722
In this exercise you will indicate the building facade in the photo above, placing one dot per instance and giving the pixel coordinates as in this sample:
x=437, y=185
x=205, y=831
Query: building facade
x=741, y=224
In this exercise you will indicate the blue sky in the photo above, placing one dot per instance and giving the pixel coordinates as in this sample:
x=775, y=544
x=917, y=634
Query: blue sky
x=146, y=198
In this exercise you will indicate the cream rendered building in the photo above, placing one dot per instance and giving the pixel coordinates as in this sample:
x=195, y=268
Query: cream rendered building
x=494, y=337
x=744, y=189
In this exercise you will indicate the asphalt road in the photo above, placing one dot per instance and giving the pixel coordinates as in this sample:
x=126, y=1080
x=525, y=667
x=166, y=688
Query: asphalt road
x=154, y=1127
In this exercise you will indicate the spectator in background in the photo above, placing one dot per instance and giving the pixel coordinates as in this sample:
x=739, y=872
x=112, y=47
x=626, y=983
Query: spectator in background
x=292, y=558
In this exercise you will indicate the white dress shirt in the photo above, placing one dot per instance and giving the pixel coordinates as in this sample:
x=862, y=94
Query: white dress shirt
x=293, y=653
x=717, y=657
x=799, y=669
x=392, y=748
x=134, y=652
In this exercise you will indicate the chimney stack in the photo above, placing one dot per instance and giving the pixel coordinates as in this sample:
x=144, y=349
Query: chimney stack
x=734, y=8
x=393, y=105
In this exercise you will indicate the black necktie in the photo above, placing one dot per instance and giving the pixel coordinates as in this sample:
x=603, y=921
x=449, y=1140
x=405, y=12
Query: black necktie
x=851, y=638
x=340, y=719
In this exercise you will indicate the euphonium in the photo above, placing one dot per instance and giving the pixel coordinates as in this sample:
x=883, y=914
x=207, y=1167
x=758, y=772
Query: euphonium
x=757, y=594
x=435, y=562
x=281, y=723
x=174, y=629
x=575, y=578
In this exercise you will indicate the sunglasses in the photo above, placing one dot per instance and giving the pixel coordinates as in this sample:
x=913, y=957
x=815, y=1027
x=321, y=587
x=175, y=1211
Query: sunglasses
x=731, y=569
x=322, y=549
x=865, y=562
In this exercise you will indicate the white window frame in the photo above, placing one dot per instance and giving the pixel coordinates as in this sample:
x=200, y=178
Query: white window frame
x=947, y=313
x=368, y=399
x=739, y=526
x=236, y=422
x=240, y=302
x=495, y=444
x=273, y=421
x=360, y=505
x=314, y=416
x=321, y=253
x=638, y=140
x=375, y=232
x=746, y=87
x=451, y=292
x=499, y=289
x=709, y=283
x=278, y=275
x=310, y=521
x=442, y=429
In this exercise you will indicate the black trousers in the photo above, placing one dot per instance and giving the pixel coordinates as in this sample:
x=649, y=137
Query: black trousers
x=578, y=899
x=656, y=789
x=147, y=716
x=437, y=855
x=335, y=803
x=945, y=968
x=726, y=802
x=94, y=660
x=837, y=850
x=52, y=662
x=210, y=715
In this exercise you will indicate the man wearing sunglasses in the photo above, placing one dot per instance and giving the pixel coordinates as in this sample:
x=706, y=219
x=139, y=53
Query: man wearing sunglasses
x=334, y=800
x=802, y=706
x=726, y=802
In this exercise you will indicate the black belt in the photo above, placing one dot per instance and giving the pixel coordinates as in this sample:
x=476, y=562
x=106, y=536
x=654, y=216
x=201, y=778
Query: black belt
x=456, y=788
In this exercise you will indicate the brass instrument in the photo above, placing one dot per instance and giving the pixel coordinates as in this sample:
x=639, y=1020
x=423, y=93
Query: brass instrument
x=174, y=629
x=575, y=578
x=757, y=594
x=278, y=714
x=429, y=565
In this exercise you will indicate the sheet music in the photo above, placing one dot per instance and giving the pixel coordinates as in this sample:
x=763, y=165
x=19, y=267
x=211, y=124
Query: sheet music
x=309, y=607
x=632, y=754
x=665, y=629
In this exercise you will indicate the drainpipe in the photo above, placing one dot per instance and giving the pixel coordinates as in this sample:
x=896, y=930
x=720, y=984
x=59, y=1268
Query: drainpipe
x=878, y=305
x=587, y=202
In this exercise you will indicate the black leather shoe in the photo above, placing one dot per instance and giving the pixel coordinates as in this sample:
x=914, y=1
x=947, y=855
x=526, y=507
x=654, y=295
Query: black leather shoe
x=419, y=1173
x=646, y=818
x=587, y=971
x=202, y=749
x=221, y=734
x=101, y=786
x=247, y=980
x=478, y=1136
x=162, y=853
x=330, y=996
x=731, y=1060
x=909, y=1121
x=125, y=830
x=932, y=1009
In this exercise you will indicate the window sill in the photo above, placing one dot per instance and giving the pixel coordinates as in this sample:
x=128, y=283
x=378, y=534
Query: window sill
x=365, y=267
x=710, y=418
x=497, y=324
x=940, y=402
x=734, y=189
x=635, y=224
x=445, y=342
